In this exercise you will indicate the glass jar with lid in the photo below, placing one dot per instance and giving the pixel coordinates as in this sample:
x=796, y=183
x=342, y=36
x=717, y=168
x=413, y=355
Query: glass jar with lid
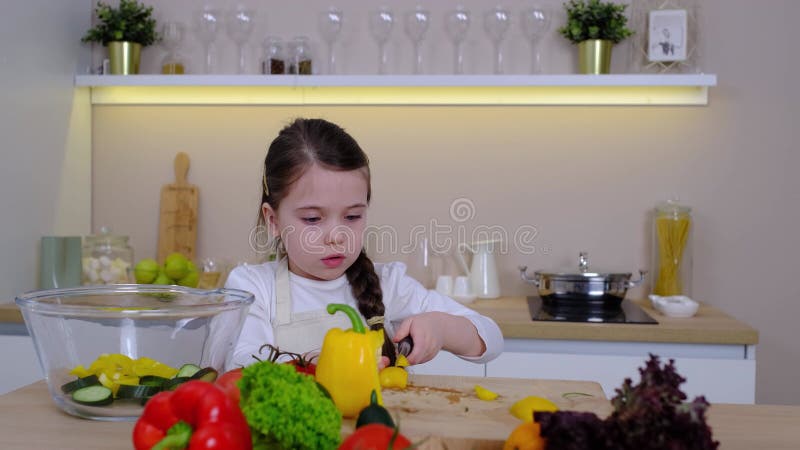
x=300, y=58
x=672, y=249
x=106, y=259
x=273, y=61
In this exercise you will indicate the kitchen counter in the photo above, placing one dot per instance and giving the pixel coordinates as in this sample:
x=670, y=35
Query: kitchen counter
x=37, y=423
x=10, y=313
x=709, y=326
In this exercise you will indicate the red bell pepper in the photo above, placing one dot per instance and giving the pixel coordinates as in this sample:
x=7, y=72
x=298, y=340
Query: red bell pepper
x=196, y=416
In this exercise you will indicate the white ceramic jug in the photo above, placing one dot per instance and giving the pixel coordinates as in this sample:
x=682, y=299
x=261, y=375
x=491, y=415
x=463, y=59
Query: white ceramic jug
x=483, y=273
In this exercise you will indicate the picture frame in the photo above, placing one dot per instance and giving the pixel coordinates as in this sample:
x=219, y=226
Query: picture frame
x=667, y=35
x=685, y=56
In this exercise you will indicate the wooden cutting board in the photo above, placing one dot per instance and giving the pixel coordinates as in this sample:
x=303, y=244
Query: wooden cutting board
x=177, y=221
x=448, y=408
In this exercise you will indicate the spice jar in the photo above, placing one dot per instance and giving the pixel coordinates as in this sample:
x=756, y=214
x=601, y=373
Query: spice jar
x=274, y=59
x=106, y=259
x=301, y=56
x=672, y=249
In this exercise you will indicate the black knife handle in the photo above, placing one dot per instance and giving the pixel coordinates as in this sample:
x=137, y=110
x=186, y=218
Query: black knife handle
x=405, y=346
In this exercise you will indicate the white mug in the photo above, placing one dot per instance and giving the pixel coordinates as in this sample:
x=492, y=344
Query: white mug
x=444, y=284
x=461, y=287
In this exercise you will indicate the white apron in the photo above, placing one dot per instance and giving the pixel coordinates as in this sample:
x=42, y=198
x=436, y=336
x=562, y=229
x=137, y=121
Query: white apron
x=300, y=332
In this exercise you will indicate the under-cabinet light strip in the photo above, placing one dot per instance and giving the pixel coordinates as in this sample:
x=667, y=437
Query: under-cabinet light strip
x=399, y=95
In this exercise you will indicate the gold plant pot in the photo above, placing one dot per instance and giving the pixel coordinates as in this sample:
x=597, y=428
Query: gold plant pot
x=594, y=56
x=124, y=57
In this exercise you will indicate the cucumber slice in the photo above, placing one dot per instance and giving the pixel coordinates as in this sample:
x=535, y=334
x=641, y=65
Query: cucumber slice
x=187, y=370
x=205, y=374
x=153, y=380
x=97, y=395
x=72, y=386
x=171, y=385
x=139, y=391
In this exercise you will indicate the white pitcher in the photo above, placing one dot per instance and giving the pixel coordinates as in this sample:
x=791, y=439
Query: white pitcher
x=483, y=274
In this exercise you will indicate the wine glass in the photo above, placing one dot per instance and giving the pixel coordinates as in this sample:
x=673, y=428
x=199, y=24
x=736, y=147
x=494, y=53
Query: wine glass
x=495, y=23
x=535, y=24
x=416, y=26
x=330, y=26
x=457, y=25
x=207, y=23
x=381, y=23
x=239, y=26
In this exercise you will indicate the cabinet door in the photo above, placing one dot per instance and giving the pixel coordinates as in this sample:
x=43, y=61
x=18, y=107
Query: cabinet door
x=720, y=380
x=21, y=367
x=445, y=363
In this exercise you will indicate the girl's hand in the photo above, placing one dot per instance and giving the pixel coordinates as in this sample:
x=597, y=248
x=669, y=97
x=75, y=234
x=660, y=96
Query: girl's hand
x=383, y=363
x=428, y=333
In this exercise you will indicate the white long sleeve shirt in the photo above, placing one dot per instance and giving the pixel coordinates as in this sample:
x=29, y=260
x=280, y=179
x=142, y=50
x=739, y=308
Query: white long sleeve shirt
x=402, y=297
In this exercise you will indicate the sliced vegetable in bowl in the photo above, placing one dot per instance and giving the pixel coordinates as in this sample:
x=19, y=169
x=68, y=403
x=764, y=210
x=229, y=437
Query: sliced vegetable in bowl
x=117, y=377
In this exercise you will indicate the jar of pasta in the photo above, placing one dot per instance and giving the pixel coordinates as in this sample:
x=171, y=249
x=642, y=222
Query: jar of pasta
x=672, y=249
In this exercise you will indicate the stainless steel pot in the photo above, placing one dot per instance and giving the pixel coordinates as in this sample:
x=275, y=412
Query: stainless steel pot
x=584, y=289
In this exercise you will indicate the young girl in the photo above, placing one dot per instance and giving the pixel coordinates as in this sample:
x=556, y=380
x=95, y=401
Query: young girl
x=315, y=192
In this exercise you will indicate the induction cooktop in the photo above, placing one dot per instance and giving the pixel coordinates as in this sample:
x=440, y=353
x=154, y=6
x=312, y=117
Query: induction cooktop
x=628, y=312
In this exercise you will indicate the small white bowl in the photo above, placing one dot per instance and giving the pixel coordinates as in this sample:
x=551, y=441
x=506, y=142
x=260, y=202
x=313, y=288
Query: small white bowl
x=675, y=305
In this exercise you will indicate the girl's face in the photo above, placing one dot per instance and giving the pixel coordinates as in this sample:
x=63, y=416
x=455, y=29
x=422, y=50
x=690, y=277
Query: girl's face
x=321, y=221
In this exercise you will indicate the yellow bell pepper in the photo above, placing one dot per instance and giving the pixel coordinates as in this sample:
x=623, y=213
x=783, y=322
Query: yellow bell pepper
x=348, y=363
x=394, y=377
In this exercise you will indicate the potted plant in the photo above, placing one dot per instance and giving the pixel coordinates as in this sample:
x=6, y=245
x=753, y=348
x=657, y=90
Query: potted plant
x=595, y=26
x=124, y=30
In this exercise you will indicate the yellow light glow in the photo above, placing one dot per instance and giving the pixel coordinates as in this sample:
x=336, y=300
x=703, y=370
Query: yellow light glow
x=399, y=95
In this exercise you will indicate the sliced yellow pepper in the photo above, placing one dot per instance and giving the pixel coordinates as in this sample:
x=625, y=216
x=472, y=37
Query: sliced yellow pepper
x=401, y=361
x=115, y=369
x=485, y=394
x=394, y=377
x=348, y=363
x=524, y=409
x=80, y=371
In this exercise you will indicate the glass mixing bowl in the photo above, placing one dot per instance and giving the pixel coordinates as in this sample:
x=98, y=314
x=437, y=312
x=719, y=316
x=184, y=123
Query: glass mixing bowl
x=136, y=325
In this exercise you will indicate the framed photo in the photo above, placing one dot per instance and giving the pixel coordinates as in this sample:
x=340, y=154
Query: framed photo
x=667, y=35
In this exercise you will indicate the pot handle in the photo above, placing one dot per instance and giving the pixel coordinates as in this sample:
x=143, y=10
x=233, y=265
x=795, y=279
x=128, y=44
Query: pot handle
x=634, y=283
x=534, y=281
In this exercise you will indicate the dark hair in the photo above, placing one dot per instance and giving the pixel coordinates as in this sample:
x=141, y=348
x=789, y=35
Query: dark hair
x=315, y=141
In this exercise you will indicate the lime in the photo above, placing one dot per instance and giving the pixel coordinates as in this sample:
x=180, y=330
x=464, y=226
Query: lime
x=146, y=271
x=190, y=280
x=524, y=409
x=162, y=278
x=176, y=266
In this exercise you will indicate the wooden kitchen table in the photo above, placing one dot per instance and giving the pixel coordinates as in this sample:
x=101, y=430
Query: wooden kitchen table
x=443, y=406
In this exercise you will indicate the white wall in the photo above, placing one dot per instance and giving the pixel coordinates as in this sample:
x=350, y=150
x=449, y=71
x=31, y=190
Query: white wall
x=45, y=176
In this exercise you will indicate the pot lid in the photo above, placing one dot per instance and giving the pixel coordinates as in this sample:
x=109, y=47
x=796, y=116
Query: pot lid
x=583, y=272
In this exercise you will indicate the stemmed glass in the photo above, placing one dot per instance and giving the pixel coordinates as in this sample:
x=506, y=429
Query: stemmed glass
x=207, y=23
x=381, y=23
x=416, y=26
x=239, y=26
x=495, y=23
x=535, y=24
x=330, y=26
x=456, y=25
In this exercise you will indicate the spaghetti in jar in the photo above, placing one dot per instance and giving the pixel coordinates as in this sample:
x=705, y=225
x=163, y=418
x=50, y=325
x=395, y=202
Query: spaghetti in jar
x=672, y=249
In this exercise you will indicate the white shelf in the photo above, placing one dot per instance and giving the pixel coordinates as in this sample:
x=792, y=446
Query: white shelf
x=625, y=89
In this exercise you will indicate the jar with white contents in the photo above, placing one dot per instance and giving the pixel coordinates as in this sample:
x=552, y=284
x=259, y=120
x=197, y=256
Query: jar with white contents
x=106, y=259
